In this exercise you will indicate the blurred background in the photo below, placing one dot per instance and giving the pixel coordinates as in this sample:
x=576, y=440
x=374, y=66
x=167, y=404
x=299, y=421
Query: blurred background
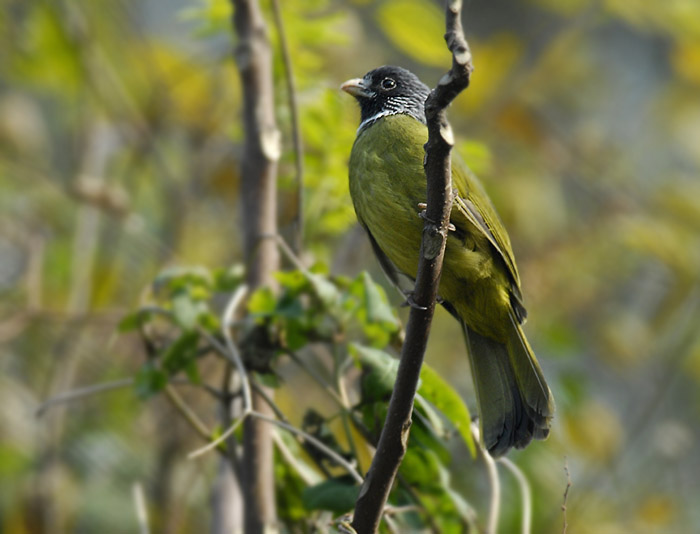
x=120, y=134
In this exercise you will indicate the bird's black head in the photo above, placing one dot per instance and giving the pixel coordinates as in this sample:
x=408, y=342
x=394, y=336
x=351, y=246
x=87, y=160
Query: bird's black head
x=388, y=90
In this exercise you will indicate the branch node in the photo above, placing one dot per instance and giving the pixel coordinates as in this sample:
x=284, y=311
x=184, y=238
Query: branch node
x=433, y=240
x=271, y=143
x=447, y=134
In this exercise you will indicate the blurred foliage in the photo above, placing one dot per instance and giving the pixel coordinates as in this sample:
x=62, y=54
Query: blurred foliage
x=120, y=136
x=311, y=313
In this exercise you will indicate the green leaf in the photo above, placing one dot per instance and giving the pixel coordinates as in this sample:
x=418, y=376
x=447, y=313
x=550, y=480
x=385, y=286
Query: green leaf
x=440, y=394
x=178, y=277
x=378, y=335
x=325, y=290
x=320, y=268
x=380, y=371
x=294, y=281
x=192, y=371
x=425, y=470
x=378, y=309
x=289, y=478
x=134, y=321
x=432, y=418
x=262, y=302
x=289, y=307
x=149, y=380
x=379, y=380
x=269, y=380
x=227, y=280
x=420, y=467
x=427, y=436
x=186, y=310
x=181, y=353
x=295, y=335
x=337, y=495
x=209, y=321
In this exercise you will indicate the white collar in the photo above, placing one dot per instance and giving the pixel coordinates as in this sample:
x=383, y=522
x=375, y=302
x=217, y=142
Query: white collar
x=375, y=117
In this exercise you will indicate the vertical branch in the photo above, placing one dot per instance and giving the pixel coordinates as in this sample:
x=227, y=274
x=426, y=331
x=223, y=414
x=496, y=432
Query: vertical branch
x=227, y=500
x=259, y=211
x=99, y=149
x=394, y=438
x=298, y=238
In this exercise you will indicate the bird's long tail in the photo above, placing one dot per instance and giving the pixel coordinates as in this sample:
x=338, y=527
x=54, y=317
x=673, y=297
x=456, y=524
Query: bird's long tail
x=515, y=403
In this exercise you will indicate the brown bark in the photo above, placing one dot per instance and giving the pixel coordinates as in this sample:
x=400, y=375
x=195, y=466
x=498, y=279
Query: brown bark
x=394, y=438
x=259, y=218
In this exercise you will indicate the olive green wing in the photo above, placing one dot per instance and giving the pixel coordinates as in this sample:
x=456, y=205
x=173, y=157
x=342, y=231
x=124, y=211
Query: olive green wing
x=472, y=205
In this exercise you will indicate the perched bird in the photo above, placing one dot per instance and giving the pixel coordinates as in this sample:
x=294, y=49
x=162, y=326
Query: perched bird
x=480, y=285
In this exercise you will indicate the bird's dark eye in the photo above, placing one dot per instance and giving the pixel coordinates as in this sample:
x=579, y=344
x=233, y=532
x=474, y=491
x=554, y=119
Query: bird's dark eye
x=388, y=84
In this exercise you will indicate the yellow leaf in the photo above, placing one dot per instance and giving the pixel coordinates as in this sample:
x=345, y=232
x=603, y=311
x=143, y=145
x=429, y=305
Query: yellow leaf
x=686, y=58
x=416, y=28
x=493, y=59
x=657, y=510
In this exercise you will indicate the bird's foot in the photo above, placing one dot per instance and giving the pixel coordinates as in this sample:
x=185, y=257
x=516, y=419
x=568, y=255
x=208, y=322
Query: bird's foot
x=412, y=303
x=423, y=215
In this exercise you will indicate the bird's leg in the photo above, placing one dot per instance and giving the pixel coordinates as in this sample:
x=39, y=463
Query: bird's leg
x=422, y=206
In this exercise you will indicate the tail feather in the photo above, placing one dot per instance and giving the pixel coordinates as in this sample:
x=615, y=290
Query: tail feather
x=515, y=404
x=531, y=382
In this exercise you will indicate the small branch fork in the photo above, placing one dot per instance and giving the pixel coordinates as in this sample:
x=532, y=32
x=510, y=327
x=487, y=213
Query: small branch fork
x=394, y=438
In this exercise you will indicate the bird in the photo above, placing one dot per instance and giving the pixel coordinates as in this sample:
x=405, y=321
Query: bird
x=480, y=284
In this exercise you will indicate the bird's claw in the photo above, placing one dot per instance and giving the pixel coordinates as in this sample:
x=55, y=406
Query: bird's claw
x=412, y=303
x=423, y=215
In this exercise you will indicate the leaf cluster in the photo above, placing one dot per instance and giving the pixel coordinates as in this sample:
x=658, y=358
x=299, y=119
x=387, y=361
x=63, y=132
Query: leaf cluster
x=317, y=320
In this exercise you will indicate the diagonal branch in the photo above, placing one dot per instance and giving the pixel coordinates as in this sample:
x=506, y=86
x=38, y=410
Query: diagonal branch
x=393, y=441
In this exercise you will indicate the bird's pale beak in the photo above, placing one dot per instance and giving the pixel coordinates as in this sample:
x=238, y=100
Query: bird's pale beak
x=356, y=87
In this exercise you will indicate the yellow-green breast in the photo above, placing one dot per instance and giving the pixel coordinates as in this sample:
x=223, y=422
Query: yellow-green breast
x=387, y=182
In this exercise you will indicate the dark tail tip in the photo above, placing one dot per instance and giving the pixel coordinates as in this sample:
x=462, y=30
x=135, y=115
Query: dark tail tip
x=518, y=428
x=511, y=415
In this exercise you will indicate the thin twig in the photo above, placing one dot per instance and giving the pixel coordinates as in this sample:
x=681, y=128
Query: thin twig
x=340, y=384
x=566, y=494
x=525, y=490
x=494, y=483
x=391, y=525
x=280, y=415
x=187, y=412
x=227, y=417
x=307, y=474
x=296, y=129
x=396, y=510
x=233, y=304
x=96, y=389
x=223, y=437
x=317, y=377
x=305, y=435
x=230, y=352
x=315, y=442
x=140, y=507
x=287, y=251
x=83, y=392
x=268, y=400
